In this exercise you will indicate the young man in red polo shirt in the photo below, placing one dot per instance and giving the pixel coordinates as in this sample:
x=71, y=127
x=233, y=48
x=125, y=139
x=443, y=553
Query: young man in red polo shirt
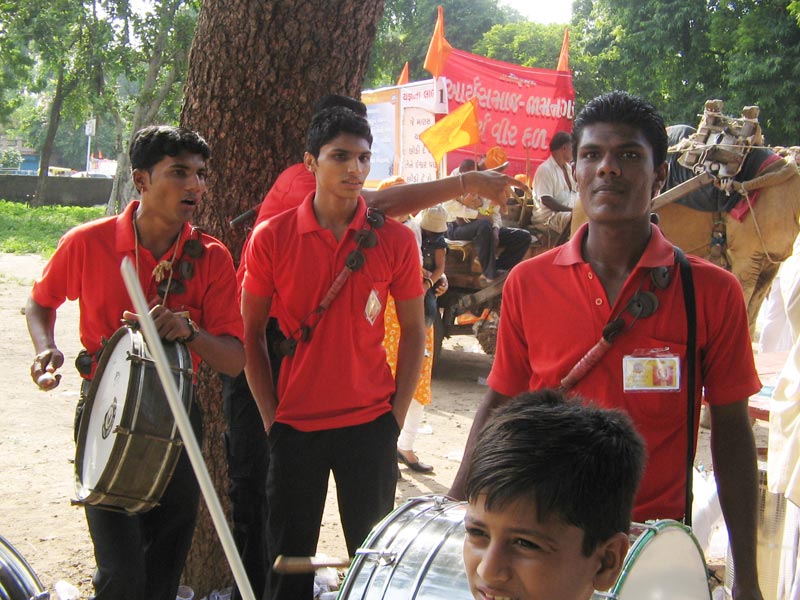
x=188, y=278
x=336, y=408
x=619, y=274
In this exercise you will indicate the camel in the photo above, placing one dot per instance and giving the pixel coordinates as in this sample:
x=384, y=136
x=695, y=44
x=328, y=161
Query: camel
x=755, y=247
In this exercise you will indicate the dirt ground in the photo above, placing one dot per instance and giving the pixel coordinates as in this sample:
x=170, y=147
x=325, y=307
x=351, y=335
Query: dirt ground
x=36, y=447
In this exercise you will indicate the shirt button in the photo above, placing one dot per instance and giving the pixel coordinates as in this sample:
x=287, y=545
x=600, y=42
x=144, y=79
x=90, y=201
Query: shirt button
x=598, y=301
x=590, y=275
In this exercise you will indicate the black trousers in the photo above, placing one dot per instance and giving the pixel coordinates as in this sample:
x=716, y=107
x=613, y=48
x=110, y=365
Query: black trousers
x=515, y=243
x=363, y=459
x=141, y=557
x=248, y=459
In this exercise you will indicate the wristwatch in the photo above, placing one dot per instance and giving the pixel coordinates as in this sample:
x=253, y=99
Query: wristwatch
x=195, y=330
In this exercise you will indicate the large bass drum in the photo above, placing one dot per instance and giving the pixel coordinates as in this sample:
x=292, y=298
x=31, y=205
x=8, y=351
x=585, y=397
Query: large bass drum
x=128, y=443
x=17, y=579
x=413, y=553
x=416, y=553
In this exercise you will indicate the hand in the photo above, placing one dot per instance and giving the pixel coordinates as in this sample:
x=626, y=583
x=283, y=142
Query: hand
x=441, y=286
x=170, y=326
x=43, y=369
x=472, y=201
x=493, y=185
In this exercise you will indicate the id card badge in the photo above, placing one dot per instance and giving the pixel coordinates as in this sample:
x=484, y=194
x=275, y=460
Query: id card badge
x=372, y=309
x=651, y=370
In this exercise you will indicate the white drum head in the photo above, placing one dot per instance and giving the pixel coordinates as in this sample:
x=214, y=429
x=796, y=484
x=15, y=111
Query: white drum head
x=109, y=402
x=664, y=562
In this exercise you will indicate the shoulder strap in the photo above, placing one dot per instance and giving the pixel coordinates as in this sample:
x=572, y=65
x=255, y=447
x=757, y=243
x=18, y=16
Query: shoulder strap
x=691, y=355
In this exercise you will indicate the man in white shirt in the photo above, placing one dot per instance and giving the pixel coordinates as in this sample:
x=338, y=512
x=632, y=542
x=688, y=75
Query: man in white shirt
x=554, y=188
x=471, y=217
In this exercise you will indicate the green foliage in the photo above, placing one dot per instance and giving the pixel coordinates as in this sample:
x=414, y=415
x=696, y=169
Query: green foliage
x=680, y=53
x=404, y=33
x=523, y=43
x=27, y=230
x=10, y=158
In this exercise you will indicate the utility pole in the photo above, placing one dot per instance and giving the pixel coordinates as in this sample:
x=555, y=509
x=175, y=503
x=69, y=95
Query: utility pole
x=91, y=126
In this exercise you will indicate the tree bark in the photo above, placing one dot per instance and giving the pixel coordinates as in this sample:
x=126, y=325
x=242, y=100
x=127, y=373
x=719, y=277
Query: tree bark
x=54, y=118
x=255, y=70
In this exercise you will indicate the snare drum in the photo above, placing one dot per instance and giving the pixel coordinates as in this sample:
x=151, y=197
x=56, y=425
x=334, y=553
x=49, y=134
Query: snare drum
x=17, y=579
x=416, y=553
x=128, y=443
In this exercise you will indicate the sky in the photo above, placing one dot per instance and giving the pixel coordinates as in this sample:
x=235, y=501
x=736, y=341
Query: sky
x=543, y=11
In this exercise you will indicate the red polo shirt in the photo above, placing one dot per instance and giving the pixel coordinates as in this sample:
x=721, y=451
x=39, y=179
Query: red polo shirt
x=554, y=310
x=340, y=377
x=289, y=190
x=86, y=267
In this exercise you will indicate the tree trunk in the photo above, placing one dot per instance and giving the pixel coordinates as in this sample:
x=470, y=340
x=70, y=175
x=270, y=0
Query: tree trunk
x=255, y=70
x=154, y=89
x=54, y=118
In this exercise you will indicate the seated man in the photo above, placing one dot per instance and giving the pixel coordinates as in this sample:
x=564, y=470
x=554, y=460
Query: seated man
x=474, y=218
x=550, y=487
x=554, y=188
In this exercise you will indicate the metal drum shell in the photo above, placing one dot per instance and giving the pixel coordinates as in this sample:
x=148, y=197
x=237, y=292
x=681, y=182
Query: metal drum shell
x=146, y=445
x=18, y=581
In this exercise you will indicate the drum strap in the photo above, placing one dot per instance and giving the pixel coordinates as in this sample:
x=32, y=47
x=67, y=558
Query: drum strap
x=691, y=355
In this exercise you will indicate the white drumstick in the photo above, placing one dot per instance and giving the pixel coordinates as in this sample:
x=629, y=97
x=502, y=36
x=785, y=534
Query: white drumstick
x=185, y=428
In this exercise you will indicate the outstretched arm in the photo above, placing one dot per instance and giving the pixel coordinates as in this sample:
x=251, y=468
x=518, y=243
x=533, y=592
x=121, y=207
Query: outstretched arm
x=398, y=200
x=734, y=454
x=490, y=401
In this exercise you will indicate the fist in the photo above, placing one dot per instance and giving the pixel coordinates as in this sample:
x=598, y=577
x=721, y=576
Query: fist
x=47, y=381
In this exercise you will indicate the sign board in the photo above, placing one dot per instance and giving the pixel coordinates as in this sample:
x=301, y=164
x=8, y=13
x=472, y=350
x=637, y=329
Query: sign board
x=91, y=126
x=519, y=110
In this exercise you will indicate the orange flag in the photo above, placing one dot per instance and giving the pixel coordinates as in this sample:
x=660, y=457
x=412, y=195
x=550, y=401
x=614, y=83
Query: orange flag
x=563, y=58
x=403, y=79
x=439, y=49
x=454, y=131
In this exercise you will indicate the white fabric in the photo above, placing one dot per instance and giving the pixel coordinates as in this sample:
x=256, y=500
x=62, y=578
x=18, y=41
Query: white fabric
x=783, y=458
x=411, y=425
x=789, y=571
x=549, y=181
x=783, y=464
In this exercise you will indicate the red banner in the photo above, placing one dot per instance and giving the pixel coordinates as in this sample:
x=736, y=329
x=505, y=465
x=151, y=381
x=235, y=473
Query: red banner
x=519, y=108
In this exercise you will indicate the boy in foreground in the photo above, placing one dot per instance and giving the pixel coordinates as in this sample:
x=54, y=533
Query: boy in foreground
x=550, y=487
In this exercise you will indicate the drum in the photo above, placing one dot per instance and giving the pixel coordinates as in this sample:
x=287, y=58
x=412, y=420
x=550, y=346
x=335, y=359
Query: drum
x=413, y=553
x=128, y=443
x=416, y=553
x=17, y=579
x=664, y=561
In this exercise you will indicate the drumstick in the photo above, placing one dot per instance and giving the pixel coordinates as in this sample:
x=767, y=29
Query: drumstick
x=294, y=565
x=185, y=427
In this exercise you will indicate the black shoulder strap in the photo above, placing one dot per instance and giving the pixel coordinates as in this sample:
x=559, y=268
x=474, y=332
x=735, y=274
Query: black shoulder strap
x=691, y=355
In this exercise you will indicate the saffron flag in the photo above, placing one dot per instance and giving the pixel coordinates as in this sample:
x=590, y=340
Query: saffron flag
x=439, y=48
x=454, y=131
x=403, y=79
x=563, y=58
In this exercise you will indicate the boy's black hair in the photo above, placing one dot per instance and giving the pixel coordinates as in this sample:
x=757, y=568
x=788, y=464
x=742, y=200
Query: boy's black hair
x=579, y=463
x=151, y=144
x=467, y=165
x=331, y=100
x=622, y=107
x=329, y=123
